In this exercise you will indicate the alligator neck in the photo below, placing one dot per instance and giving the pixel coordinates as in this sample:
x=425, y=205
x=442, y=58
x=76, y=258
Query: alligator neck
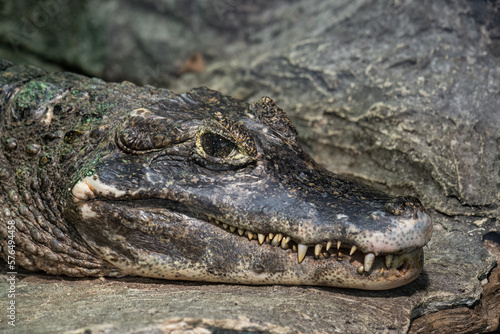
x=34, y=172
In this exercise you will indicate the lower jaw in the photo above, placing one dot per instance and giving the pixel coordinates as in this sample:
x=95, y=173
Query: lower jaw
x=327, y=272
x=343, y=273
x=243, y=261
x=404, y=269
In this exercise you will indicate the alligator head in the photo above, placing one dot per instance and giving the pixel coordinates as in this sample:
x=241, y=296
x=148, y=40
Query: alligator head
x=209, y=188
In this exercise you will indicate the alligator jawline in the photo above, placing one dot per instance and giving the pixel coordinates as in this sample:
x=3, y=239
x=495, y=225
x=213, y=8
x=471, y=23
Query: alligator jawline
x=342, y=251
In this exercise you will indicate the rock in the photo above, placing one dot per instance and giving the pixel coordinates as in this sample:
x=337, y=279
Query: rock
x=401, y=94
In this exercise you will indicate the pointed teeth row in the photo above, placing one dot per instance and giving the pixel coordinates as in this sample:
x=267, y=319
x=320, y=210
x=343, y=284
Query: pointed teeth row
x=279, y=239
x=274, y=239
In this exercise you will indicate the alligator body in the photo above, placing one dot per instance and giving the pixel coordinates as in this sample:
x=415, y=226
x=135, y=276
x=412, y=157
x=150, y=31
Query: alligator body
x=107, y=179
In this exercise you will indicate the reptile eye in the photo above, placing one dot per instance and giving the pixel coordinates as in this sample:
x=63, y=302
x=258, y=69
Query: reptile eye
x=216, y=146
x=219, y=151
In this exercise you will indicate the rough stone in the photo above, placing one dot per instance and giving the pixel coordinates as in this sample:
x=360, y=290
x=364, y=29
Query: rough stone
x=400, y=94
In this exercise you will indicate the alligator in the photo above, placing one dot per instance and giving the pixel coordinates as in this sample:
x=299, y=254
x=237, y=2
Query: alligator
x=113, y=179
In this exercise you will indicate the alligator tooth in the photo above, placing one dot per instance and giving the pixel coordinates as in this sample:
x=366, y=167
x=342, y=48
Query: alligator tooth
x=284, y=242
x=353, y=249
x=277, y=239
x=217, y=222
x=329, y=245
x=232, y=228
x=369, y=260
x=388, y=261
x=240, y=231
x=338, y=244
x=302, y=252
x=294, y=248
x=225, y=226
x=262, y=238
x=361, y=269
x=271, y=236
x=250, y=235
x=317, y=250
x=268, y=240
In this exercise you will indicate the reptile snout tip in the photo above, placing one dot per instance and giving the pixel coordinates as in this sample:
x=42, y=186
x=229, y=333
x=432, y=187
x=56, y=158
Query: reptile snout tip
x=402, y=205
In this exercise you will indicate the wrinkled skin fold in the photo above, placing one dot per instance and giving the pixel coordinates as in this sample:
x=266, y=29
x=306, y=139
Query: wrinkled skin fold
x=201, y=186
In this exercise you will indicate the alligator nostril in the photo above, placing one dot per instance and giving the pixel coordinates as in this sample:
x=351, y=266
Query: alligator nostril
x=401, y=205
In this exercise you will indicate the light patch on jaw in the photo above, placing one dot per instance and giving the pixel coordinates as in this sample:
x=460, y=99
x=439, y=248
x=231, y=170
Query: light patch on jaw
x=91, y=186
x=82, y=191
x=86, y=212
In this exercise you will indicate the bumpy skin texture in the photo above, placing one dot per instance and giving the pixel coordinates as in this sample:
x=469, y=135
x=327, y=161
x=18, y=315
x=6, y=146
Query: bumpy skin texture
x=114, y=179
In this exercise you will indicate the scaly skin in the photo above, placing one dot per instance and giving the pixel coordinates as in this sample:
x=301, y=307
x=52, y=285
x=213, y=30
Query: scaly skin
x=108, y=179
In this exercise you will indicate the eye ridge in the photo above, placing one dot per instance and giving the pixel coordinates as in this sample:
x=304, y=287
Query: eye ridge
x=216, y=145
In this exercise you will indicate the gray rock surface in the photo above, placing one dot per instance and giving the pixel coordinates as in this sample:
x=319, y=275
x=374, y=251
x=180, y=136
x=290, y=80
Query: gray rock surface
x=404, y=95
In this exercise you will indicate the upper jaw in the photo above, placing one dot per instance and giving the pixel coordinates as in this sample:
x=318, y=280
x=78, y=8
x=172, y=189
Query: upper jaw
x=371, y=230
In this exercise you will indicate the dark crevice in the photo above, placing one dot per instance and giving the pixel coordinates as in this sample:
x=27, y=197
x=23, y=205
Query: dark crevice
x=491, y=241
